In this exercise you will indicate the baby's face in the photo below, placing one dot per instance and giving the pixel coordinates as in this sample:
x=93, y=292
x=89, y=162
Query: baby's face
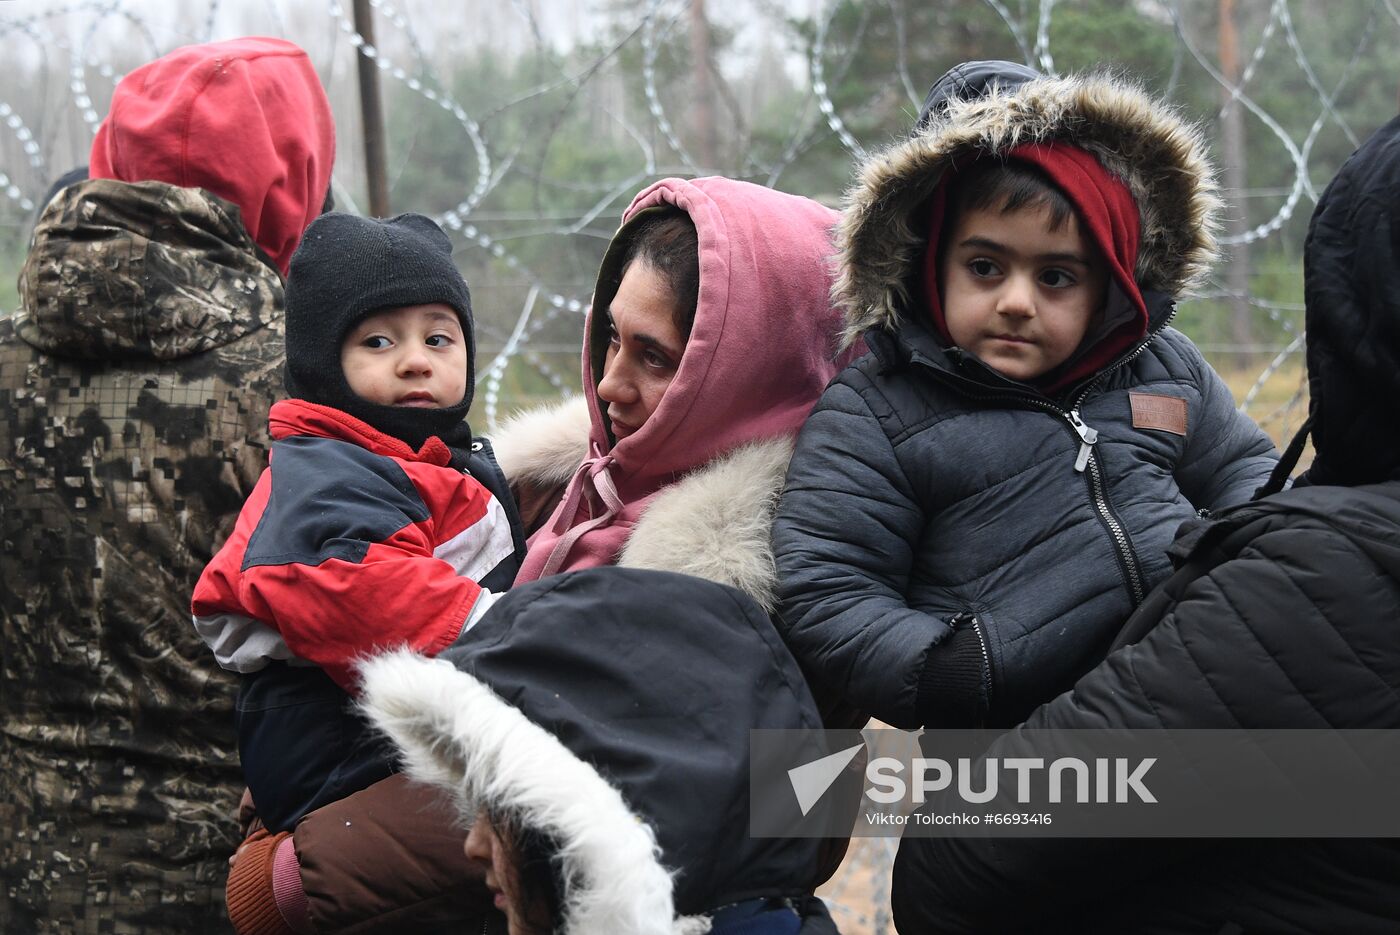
x=1017, y=293
x=410, y=356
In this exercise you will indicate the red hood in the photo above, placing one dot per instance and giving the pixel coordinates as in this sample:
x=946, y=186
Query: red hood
x=246, y=120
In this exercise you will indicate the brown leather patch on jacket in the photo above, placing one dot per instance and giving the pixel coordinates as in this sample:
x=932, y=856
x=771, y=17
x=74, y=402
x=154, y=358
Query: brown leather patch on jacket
x=1166, y=413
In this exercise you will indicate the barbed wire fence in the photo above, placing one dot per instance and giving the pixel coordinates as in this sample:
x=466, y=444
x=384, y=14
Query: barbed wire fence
x=64, y=63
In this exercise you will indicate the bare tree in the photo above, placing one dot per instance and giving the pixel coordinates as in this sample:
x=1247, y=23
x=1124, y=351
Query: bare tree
x=703, y=111
x=1235, y=177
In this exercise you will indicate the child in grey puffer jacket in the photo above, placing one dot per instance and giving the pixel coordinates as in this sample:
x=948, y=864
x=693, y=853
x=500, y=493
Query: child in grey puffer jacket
x=977, y=505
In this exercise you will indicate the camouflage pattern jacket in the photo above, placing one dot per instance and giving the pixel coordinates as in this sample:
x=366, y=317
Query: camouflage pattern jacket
x=135, y=383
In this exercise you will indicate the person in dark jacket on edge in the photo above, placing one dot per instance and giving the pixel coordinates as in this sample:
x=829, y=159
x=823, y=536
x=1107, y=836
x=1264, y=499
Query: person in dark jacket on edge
x=595, y=734
x=1284, y=617
x=975, y=507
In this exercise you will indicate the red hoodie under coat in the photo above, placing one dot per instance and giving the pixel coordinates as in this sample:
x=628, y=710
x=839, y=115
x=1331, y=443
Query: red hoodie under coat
x=1107, y=215
x=246, y=120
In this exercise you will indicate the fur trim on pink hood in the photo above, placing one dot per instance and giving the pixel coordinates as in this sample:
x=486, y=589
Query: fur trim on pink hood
x=762, y=349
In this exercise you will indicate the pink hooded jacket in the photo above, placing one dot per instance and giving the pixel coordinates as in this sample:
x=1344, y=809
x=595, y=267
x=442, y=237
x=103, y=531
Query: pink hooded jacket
x=762, y=349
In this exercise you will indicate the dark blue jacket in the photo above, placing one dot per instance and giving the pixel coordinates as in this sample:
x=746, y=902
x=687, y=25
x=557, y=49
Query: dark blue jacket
x=955, y=547
x=941, y=561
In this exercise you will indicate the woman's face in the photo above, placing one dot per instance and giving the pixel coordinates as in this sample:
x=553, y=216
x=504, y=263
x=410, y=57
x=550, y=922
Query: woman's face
x=644, y=348
x=492, y=850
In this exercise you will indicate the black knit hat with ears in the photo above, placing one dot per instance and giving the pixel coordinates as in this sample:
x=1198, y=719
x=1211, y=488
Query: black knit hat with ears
x=348, y=267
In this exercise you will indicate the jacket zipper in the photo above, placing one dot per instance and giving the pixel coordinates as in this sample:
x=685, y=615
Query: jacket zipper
x=1099, y=495
x=986, y=659
x=1087, y=462
x=1126, y=554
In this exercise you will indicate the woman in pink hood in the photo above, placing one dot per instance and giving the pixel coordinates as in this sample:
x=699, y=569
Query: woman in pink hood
x=710, y=337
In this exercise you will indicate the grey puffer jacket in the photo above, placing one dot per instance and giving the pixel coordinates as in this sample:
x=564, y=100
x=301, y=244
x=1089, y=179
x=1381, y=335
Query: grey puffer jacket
x=955, y=547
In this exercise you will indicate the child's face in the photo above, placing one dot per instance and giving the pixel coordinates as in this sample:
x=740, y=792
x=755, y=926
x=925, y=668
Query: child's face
x=410, y=356
x=1018, y=294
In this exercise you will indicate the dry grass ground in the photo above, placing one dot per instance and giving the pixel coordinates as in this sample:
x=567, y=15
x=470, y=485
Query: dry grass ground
x=1279, y=400
x=859, y=894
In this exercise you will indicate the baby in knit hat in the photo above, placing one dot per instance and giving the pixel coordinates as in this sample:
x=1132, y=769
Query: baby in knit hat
x=377, y=523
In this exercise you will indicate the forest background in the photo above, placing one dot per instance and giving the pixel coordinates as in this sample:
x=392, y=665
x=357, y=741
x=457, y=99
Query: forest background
x=525, y=127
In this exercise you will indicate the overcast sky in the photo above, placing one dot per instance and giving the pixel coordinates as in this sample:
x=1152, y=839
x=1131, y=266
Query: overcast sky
x=438, y=27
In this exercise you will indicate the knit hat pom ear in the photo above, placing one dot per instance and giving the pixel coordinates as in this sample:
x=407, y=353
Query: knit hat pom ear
x=349, y=266
x=425, y=226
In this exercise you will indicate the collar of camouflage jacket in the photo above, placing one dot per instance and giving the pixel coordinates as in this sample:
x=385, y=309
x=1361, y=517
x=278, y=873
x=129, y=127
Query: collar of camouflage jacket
x=121, y=271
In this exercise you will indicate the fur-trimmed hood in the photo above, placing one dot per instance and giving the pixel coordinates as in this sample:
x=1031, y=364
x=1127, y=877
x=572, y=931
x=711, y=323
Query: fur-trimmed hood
x=609, y=710
x=1162, y=159
x=761, y=350
x=713, y=522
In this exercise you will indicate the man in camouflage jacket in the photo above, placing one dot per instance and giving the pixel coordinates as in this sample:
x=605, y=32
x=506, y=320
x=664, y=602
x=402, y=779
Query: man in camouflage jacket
x=134, y=387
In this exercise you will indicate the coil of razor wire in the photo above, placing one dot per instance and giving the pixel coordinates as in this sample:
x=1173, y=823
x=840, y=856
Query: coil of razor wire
x=824, y=102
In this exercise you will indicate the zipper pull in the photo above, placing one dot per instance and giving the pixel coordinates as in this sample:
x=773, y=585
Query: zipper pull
x=1087, y=437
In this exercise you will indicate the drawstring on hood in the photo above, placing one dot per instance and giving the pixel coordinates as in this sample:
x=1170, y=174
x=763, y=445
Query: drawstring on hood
x=760, y=352
x=246, y=120
x=592, y=473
